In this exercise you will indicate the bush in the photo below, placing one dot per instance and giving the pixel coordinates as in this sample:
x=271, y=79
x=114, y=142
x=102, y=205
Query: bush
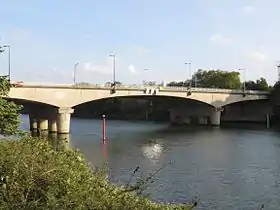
x=34, y=176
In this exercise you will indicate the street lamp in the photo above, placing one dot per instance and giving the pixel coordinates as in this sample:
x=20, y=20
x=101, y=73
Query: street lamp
x=244, y=74
x=114, y=68
x=190, y=72
x=75, y=71
x=145, y=70
x=9, y=59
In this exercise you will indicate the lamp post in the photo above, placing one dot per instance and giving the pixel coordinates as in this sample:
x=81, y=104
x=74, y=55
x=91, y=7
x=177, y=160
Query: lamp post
x=190, y=72
x=244, y=77
x=75, y=71
x=114, y=68
x=145, y=70
x=9, y=59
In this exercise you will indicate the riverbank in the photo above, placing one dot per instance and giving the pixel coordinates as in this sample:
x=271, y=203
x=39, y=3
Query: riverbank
x=34, y=175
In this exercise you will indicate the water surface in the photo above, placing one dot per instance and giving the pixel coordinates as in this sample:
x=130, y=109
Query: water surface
x=226, y=168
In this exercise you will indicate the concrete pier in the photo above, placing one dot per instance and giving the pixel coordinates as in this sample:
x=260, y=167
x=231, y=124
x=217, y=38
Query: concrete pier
x=33, y=123
x=63, y=120
x=42, y=124
x=52, y=126
x=215, y=117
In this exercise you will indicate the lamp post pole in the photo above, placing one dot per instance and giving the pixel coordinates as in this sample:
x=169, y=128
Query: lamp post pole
x=114, y=68
x=190, y=72
x=244, y=77
x=75, y=71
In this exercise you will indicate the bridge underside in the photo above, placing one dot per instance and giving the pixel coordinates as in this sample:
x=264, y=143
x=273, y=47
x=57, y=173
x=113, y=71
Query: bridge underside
x=177, y=110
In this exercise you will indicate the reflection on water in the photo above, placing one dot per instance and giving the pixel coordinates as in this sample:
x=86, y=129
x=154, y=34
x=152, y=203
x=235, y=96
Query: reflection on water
x=59, y=141
x=152, y=151
x=227, y=168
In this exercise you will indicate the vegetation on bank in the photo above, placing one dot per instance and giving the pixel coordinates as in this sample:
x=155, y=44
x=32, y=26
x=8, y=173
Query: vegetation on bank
x=33, y=175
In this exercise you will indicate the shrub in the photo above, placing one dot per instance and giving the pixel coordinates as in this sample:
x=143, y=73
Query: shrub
x=34, y=176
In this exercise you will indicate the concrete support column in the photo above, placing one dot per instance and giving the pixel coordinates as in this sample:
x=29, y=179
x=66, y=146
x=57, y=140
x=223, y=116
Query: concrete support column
x=202, y=120
x=42, y=125
x=52, y=126
x=63, y=120
x=215, y=117
x=33, y=123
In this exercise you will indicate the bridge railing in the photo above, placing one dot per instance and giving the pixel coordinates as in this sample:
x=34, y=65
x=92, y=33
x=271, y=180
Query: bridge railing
x=142, y=87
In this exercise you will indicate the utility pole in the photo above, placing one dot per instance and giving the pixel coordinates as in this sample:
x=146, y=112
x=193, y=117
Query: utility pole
x=114, y=67
x=75, y=72
x=190, y=72
x=244, y=82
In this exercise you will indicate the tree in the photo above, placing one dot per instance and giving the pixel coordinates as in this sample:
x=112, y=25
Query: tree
x=217, y=79
x=211, y=79
x=179, y=84
x=149, y=83
x=117, y=83
x=275, y=98
x=260, y=84
x=9, y=111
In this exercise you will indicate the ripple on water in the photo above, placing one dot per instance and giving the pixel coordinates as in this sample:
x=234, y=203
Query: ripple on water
x=226, y=168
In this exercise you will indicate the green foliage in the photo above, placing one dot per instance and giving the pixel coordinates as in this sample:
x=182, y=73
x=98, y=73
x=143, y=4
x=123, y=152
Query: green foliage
x=179, y=84
x=221, y=79
x=212, y=79
x=9, y=118
x=34, y=176
x=217, y=79
x=4, y=86
x=260, y=84
x=9, y=111
x=275, y=99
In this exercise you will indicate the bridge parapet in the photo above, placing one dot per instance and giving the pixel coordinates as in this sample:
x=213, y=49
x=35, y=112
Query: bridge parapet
x=142, y=87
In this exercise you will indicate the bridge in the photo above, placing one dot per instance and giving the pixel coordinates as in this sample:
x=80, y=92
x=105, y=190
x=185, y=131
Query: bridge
x=61, y=100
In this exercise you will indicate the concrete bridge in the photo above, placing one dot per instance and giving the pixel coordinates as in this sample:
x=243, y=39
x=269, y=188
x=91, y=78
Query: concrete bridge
x=62, y=99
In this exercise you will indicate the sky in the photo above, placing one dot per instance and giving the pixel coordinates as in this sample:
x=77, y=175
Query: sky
x=47, y=38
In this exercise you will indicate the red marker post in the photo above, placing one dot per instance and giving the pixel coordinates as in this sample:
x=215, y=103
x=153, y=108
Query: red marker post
x=103, y=129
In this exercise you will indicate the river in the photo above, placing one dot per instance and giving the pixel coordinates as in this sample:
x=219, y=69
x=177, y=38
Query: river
x=226, y=168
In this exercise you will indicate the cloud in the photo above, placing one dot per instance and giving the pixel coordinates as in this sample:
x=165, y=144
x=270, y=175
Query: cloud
x=140, y=50
x=258, y=56
x=132, y=69
x=248, y=10
x=220, y=39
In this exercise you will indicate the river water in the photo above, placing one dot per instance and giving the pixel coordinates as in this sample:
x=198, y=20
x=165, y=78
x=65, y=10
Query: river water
x=225, y=168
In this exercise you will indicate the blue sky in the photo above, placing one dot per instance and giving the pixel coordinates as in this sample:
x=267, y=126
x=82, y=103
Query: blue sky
x=48, y=37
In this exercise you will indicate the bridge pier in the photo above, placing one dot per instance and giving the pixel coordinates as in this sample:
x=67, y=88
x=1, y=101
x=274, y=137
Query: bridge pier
x=52, y=116
x=52, y=126
x=215, y=117
x=33, y=123
x=202, y=120
x=63, y=120
x=42, y=124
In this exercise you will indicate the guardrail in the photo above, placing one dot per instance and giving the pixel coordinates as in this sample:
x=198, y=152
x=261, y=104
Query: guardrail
x=142, y=87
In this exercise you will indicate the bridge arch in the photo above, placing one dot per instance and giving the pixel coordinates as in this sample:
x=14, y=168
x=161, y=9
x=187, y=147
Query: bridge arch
x=31, y=100
x=144, y=96
x=245, y=100
x=22, y=101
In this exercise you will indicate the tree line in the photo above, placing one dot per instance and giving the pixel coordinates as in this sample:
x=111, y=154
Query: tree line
x=221, y=79
x=210, y=79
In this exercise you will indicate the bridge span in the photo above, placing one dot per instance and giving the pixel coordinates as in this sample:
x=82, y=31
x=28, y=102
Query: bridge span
x=62, y=99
